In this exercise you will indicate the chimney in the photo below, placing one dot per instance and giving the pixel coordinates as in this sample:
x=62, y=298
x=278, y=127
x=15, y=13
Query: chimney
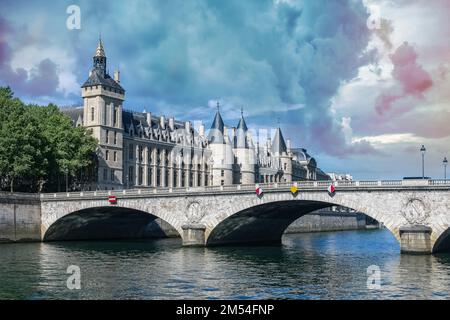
x=117, y=76
x=172, y=123
x=288, y=145
x=90, y=73
x=149, y=118
x=162, y=122
x=187, y=126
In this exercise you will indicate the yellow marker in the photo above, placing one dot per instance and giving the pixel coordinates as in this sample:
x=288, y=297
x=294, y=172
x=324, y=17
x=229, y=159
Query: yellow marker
x=294, y=189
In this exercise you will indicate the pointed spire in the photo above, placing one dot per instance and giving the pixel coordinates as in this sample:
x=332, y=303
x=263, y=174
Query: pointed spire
x=278, y=144
x=215, y=134
x=241, y=136
x=242, y=125
x=100, y=52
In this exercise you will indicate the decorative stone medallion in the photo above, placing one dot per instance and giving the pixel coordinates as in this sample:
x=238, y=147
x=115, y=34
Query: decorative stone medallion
x=194, y=212
x=415, y=211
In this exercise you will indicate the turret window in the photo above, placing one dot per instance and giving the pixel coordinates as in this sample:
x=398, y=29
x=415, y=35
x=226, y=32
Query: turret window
x=107, y=155
x=115, y=137
x=92, y=114
x=107, y=136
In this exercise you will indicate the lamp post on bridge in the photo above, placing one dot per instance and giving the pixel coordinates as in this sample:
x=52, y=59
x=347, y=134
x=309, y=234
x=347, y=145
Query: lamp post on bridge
x=423, y=150
x=67, y=179
x=445, y=162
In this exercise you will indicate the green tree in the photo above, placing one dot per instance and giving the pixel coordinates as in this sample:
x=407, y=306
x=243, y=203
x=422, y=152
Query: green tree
x=69, y=149
x=20, y=143
x=38, y=144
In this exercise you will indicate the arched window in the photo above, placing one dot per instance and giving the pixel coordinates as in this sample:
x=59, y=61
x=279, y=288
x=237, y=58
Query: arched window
x=107, y=155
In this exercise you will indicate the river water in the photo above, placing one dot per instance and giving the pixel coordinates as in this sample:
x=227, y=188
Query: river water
x=330, y=265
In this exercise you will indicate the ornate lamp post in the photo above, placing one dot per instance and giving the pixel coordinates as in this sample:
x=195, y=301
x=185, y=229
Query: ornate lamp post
x=423, y=150
x=445, y=162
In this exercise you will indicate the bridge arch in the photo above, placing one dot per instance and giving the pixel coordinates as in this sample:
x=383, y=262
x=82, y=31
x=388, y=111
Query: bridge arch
x=102, y=222
x=442, y=243
x=264, y=220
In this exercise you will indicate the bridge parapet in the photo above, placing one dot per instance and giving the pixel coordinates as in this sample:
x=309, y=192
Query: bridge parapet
x=304, y=186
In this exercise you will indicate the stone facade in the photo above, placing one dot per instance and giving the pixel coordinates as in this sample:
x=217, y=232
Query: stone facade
x=139, y=149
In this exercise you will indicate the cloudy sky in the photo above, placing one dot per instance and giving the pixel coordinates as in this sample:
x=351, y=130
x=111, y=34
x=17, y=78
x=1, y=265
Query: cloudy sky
x=361, y=84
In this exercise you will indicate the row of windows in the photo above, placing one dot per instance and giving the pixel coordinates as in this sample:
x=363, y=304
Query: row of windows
x=114, y=155
x=107, y=137
x=115, y=115
x=159, y=181
x=141, y=154
x=112, y=175
x=105, y=88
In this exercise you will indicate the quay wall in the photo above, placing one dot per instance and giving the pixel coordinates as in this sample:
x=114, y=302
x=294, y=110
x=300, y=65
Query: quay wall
x=327, y=220
x=20, y=217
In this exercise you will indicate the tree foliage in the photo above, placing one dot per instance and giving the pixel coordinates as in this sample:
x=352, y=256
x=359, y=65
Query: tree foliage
x=39, y=145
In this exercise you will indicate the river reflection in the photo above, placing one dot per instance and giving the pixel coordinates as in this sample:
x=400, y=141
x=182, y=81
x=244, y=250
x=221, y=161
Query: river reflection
x=307, y=266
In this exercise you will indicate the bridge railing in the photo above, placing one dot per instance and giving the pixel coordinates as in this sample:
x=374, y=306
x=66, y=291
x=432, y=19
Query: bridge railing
x=319, y=185
x=439, y=182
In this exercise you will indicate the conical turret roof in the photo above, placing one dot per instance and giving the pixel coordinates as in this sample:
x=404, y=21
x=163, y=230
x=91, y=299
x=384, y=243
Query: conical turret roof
x=278, y=144
x=215, y=134
x=241, y=134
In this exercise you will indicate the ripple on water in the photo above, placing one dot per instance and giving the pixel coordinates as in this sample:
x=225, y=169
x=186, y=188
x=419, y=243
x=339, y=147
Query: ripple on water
x=306, y=266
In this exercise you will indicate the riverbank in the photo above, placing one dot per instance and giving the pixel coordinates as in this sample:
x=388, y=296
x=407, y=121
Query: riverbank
x=327, y=220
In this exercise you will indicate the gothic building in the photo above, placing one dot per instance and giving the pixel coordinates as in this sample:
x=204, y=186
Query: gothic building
x=138, y=149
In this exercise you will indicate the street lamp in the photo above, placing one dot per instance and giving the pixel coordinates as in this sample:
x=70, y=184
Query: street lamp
x=67, y=180
x=423, y=150
x=445, y=162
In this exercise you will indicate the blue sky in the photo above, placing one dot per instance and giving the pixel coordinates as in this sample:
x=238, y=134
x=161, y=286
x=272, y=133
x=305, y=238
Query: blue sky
x=360, y=84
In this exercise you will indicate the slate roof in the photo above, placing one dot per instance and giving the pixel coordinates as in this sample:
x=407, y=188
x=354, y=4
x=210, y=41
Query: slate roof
x=97, y=78
x=215, y=134
x=240, y=141
x=73, y=113
x=278, y=144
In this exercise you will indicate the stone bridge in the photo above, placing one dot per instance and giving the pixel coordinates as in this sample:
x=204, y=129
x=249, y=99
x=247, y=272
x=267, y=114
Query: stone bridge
x=415, y=211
